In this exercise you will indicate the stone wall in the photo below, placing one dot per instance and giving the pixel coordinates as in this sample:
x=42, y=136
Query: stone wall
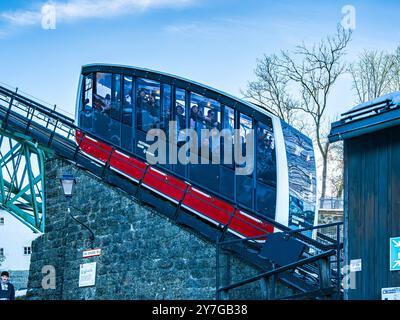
x=330, y=216
x=144, y=254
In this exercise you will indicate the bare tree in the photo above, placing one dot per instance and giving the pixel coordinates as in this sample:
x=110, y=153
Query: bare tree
x=315, y=70
x=336, y=173
x=270, y=89
x=373, y=75
x=395, y=75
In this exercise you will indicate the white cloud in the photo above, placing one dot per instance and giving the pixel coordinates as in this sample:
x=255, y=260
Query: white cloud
x=184, y=28
x=21, y=18
x=211, y=27
x=83, y=9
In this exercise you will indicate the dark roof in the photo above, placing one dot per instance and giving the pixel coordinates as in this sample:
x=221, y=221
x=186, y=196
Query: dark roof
x=371, y=116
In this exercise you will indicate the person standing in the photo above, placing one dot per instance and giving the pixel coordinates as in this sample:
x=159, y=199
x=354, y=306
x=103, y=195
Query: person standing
x=7, y=291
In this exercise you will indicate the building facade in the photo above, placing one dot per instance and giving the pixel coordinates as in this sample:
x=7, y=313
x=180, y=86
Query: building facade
x=15, y=248
x=371, y=136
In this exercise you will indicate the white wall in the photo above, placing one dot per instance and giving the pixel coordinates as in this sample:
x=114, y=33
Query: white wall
x=14, y=236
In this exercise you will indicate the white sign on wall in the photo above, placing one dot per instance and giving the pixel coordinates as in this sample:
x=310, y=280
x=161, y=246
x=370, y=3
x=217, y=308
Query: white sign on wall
x=87, y=274
x=355, y=265
x=390, y=293
x=91, y=253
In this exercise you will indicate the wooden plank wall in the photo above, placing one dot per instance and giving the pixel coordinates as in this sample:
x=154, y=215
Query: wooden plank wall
x=372, y=209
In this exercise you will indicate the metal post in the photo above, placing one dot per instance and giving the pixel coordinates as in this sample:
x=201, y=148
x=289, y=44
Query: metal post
x=272, y=285
x=107, y=164
x=225, y=230
x=78, y=147
x=176, y=214
x=324, y=273
x=338, y=259
x=217, y=280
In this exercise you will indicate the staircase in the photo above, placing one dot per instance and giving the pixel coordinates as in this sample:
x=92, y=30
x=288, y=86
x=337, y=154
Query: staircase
x=314, y=274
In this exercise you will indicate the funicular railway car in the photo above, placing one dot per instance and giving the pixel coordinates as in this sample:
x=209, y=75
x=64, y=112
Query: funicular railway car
x=120, y=104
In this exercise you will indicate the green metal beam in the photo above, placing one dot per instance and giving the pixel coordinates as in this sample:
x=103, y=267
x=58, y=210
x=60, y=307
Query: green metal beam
x=22, y=178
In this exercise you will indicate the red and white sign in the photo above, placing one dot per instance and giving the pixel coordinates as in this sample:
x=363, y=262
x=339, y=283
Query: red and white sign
x=91, y=253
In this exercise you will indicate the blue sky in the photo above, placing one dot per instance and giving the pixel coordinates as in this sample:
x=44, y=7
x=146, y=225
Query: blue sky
x=215, y=42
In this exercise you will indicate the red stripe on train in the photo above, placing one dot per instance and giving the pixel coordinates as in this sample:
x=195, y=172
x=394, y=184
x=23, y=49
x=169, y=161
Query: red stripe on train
x=213, y=208
x=166, y=184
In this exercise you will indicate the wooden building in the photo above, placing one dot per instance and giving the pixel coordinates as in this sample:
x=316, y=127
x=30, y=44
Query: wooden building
x=371, y=137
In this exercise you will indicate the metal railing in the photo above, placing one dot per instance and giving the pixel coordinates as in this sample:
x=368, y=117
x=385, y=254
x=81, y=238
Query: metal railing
x=320, y=265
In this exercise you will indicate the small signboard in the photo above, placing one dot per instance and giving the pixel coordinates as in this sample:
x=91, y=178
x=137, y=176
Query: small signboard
x=355, y=265
x=395, y=254
x=391, y=293
x=91, y=253
x=87, y=275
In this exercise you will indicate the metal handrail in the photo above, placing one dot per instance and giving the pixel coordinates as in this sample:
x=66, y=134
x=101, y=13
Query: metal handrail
x=305, y=266
x=297, y=235
x=278, y=270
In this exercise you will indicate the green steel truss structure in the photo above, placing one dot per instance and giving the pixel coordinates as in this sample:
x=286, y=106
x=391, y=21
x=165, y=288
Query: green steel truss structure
x=22, y=187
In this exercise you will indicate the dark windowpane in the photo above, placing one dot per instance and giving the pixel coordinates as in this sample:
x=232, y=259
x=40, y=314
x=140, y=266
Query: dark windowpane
x=266, y=200
x=166, y=107
x=206, y=175
x=246, y=125
x=180, y=118
x=266, y=158
x=115, y=108
x=106, y=102
x=227, y=182
x=87, y=98
x=148, y=104
x=205, y=113
x=180, y=111
x=102, y=96
x=244, y=184
x=229, y=127
x=86, y=109
x=229, y=119
x=245, y=190
x=127, y=104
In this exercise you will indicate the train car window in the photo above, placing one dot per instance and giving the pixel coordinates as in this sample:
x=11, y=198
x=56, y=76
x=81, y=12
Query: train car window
x=166, y=107
x=86, y=103
x=245, y=187
x=245, y=125
x=180, y=113
x=245, y=190
x=204, y=113
x=266, y=199
x=107, y=107
x=228, y=124
x=229, y=119
x=102, y=96
x=127, y=103
x=148, y=104
x=87, y=97
x=266, y=159
x=115, y=108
